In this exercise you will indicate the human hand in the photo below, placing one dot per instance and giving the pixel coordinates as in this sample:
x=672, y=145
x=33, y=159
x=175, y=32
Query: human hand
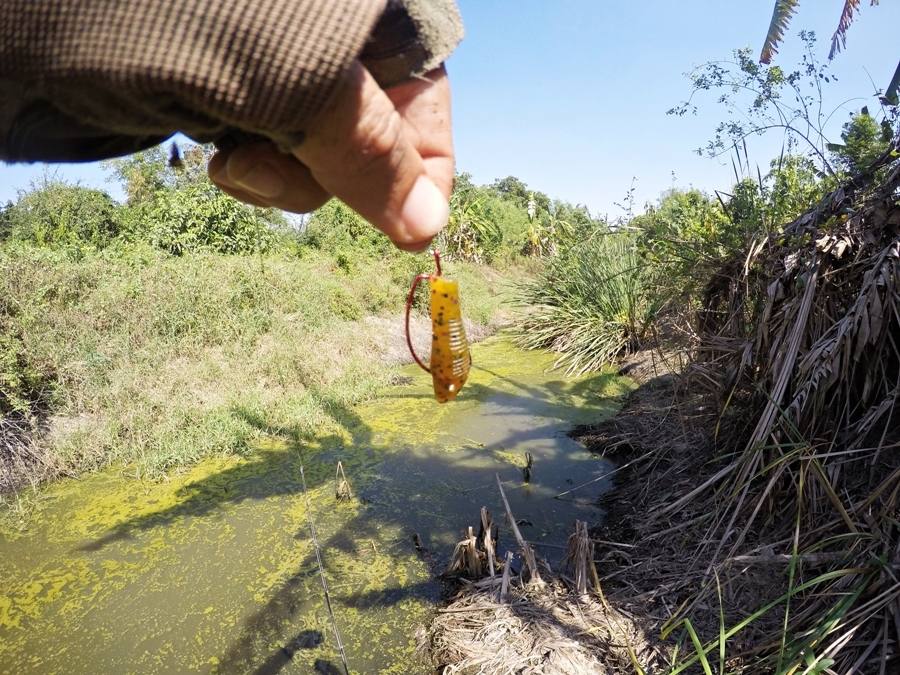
x=386, y=153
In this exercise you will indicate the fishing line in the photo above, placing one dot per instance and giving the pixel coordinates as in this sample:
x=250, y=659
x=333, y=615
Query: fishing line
x=315, y=541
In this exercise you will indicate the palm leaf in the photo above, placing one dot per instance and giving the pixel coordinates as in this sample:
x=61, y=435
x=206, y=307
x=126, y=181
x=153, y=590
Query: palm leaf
x=839, y=39
x=781, y=18
x=891, y=94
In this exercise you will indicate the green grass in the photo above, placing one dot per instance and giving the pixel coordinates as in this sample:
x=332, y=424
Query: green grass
x=156, y=361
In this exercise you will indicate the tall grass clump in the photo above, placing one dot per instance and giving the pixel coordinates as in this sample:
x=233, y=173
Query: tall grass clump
x=593, y=302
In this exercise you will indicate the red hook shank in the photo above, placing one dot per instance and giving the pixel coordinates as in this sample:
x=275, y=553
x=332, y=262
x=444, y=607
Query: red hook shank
x=409, y=303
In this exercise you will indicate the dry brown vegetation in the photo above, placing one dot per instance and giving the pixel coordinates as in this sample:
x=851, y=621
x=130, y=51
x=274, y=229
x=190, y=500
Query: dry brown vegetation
x=764, y=486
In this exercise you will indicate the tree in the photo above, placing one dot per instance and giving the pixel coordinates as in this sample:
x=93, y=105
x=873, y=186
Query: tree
x=142, y=174
x=178, y=209
x=793, y=185
x=6, y=220
x=199, y=216
x=761, y=99
x=512, y=189
x=865, y=140
x=472, y=233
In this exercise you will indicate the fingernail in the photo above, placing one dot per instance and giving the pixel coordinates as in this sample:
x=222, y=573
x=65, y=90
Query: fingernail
x=424, y=213
x=261, y=179
x=418, y=247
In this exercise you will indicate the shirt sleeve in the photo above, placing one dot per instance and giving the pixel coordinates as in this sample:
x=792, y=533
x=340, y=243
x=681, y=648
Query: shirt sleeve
x=89, y=79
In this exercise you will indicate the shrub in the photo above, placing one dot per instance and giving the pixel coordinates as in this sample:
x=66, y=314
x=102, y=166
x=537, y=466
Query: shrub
x=200, y=217
x=591, y=303
x=337, y=229
x=684, y=230
x=56, y=214
x=23, y=387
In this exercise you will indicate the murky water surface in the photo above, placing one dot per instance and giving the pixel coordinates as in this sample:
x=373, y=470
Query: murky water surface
x=214, y=571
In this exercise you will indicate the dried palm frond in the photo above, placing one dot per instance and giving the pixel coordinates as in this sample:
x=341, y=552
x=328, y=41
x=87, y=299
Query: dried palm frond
x=839, y=39
x=813, y=359
x=781, y=19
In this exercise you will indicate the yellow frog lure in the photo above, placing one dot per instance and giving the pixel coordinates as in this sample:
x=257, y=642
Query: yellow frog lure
x=450, y=358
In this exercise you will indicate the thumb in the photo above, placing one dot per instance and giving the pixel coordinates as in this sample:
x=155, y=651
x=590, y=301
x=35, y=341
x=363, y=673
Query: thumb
x=361, y=151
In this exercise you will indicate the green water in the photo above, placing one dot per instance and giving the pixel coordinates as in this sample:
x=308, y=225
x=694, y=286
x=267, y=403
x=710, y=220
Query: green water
x=214, y=571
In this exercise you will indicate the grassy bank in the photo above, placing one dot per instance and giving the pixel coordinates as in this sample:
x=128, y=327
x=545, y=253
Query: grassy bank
x=137, y=357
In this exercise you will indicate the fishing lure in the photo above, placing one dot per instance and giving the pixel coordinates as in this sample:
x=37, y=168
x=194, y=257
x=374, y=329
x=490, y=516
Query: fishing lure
x=450, y=358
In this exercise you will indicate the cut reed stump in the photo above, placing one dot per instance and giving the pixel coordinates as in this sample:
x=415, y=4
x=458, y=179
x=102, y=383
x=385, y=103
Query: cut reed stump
x=474, y=556
x=342, y=490
x=529, y=465
x=553, y=629
x=579, y=560
x=534, y=576
x=487, y=535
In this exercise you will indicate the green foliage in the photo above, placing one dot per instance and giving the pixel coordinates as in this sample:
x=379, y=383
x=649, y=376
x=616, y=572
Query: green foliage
x=864, y=140
x=512, y=225
x=688, y=236
x=180, y=210
x=686, y=231
x=144, y=174
x=6, y=221
x=760, y=99
x=24, y=387
x=471, y=233
x=197, y=217
x=792, y=186
x=335, y=227
x=59, y=215
x=147, y=358
x=593, y=302
x=507, y=220
x=512, y=190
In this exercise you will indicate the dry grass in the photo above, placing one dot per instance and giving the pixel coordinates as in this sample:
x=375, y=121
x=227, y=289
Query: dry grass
x=552, y=631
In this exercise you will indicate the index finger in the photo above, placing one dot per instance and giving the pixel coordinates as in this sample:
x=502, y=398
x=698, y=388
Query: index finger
x=362, y=151
x=424, y=105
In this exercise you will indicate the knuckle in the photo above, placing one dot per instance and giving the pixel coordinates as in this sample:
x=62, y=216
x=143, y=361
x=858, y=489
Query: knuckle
x=376, y=138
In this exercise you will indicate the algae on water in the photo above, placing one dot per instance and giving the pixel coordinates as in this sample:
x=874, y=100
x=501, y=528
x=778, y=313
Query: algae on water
x=211, y=570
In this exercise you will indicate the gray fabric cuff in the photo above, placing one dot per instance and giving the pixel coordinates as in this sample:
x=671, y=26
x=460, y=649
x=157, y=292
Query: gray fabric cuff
x=411, y=38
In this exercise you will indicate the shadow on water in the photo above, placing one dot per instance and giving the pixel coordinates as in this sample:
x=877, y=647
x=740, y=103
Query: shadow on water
x=244, y=482
x=425, y=472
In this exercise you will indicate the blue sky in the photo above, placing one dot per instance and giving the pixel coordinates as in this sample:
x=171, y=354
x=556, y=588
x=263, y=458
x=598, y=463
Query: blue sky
x=571, y=96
